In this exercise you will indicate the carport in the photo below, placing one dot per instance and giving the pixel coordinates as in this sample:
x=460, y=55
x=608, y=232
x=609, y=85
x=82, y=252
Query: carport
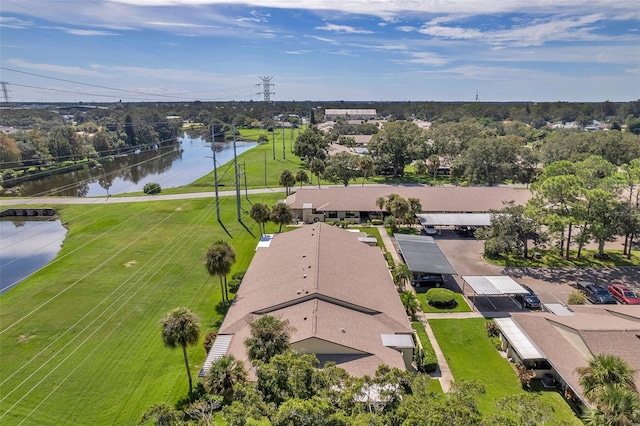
x=422, y=255
x=491, y=285
x=455, y=219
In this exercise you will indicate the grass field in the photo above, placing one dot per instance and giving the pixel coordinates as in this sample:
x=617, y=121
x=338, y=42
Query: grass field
x=80, y=338
x=471, y=356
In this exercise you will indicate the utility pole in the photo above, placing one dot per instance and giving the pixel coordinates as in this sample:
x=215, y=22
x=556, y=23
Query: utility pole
x=215, y=171
x=5, y=90
x=284, y=153
x=235, y=163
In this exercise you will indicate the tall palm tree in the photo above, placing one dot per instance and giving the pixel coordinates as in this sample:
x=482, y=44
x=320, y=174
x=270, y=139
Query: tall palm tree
x=281, y=214
x=287, y=179
x=180, y=328
x=366, y=166
x=317, y=167
x=270, y=336
x=401, y=276
x=219, y=260
x=603, y=370
x=260, y=213
x=223, y=375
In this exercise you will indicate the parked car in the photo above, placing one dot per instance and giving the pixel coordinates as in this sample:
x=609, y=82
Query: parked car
x=596, y=294
x=528, y=300
x=426, y=280
x=624, y=294
x=429, y=230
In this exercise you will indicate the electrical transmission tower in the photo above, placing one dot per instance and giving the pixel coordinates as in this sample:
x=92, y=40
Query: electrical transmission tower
x=5, y=90
x=266, y=88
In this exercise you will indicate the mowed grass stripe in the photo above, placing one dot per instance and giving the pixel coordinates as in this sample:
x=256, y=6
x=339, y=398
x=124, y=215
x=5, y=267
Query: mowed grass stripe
x=128, y=369
x=87, y=327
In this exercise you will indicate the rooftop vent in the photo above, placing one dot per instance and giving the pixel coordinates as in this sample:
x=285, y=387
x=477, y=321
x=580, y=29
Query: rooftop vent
x=342, y=330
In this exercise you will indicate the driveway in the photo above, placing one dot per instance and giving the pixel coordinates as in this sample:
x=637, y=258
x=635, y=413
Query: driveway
x=553, y=285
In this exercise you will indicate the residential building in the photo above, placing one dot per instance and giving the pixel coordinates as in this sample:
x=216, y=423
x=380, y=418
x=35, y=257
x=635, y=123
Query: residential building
x=334, y=290
x=358, y=203
x=556, y=345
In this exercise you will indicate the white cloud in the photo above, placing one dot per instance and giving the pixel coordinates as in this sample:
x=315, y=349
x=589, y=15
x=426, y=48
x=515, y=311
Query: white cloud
x=298, y=52
x=406, y=28
x=539, y=32
x=13, y=22
x=424, y=58
x=327, y=40
x=90, y=32
x=60, y=69
x=343, y=29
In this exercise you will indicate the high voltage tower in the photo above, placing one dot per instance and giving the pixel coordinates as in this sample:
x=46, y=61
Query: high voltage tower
x=266, y=88
x=5, y=90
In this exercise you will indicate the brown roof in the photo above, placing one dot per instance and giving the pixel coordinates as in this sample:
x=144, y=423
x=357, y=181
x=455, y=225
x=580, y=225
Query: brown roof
x=434, y=199
x=330, y=287
x=568, y=342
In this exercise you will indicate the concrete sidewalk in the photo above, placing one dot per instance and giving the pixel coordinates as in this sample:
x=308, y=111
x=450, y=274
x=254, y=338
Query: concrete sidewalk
x=443, y=374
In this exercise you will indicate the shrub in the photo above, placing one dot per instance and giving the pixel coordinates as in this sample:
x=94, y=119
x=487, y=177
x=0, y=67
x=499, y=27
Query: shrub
x=236, y=280
x=152, y=188
x=426, y=361
x=376, y=222
x=576, y=297
x=492, y=329
x=209, y=339
x=524, y=375
x=441, y=298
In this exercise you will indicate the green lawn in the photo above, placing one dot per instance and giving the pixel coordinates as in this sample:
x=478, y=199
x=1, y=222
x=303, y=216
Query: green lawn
x=551, y=258
x=462, y=305
x=471, y=356
x=80, y=338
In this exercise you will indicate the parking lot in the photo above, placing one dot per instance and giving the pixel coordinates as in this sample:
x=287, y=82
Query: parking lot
x=552, y=285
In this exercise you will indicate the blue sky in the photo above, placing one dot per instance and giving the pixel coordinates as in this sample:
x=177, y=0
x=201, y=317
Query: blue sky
x=390, y=50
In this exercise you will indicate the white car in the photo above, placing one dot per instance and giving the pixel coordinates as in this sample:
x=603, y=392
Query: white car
x=429, y=230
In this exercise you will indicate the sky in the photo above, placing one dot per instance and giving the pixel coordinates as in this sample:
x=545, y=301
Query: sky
x=351, y=50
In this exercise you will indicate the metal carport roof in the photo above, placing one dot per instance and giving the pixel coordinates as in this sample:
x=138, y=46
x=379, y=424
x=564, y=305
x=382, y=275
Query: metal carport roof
x=455, y=219
x=493, y=285
x=423, y=255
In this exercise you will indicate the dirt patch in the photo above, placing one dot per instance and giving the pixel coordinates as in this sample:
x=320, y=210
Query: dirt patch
x=130, y=263
x=25, y=339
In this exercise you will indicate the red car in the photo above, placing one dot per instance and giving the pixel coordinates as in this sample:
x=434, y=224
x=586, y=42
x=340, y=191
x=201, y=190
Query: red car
x=624, y=294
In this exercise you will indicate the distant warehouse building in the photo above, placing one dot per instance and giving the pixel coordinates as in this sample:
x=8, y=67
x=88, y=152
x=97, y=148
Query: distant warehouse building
x=350, y=114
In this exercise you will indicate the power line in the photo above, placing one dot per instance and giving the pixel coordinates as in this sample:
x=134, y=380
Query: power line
x=266, y=88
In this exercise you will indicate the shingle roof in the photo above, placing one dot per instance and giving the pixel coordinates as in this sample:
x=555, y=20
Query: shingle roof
x=434, y=199
x=570, y=341
x=322, y=280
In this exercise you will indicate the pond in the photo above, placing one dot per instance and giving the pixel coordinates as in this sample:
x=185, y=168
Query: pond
x=26, y=246
x=170, y=166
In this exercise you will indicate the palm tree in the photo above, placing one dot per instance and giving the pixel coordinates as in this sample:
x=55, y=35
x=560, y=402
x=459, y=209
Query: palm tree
x=223, y=375
x=366, y=166
x=617, y=406
x=411, y=303
x=219, y=260
x=270, y=336
x=317, y=167
x=260, y=213
x=180, y=327
x=604, y=370
x=401, y=275
x=287, y=179
x=302, y=177
x=281, y=214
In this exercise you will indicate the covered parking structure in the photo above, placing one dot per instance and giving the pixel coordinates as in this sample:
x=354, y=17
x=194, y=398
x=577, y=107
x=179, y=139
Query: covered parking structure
x=422, y=255
x=491, y=285
x=454, y=219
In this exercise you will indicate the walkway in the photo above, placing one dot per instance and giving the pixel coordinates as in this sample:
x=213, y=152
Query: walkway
x=443, y=374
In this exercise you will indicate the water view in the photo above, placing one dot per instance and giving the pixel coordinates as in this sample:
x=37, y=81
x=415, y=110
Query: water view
x=170, y=166
x=27, y=246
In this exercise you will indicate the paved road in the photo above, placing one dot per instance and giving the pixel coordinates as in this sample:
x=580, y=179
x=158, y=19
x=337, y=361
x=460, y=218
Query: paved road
x=7, y=201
